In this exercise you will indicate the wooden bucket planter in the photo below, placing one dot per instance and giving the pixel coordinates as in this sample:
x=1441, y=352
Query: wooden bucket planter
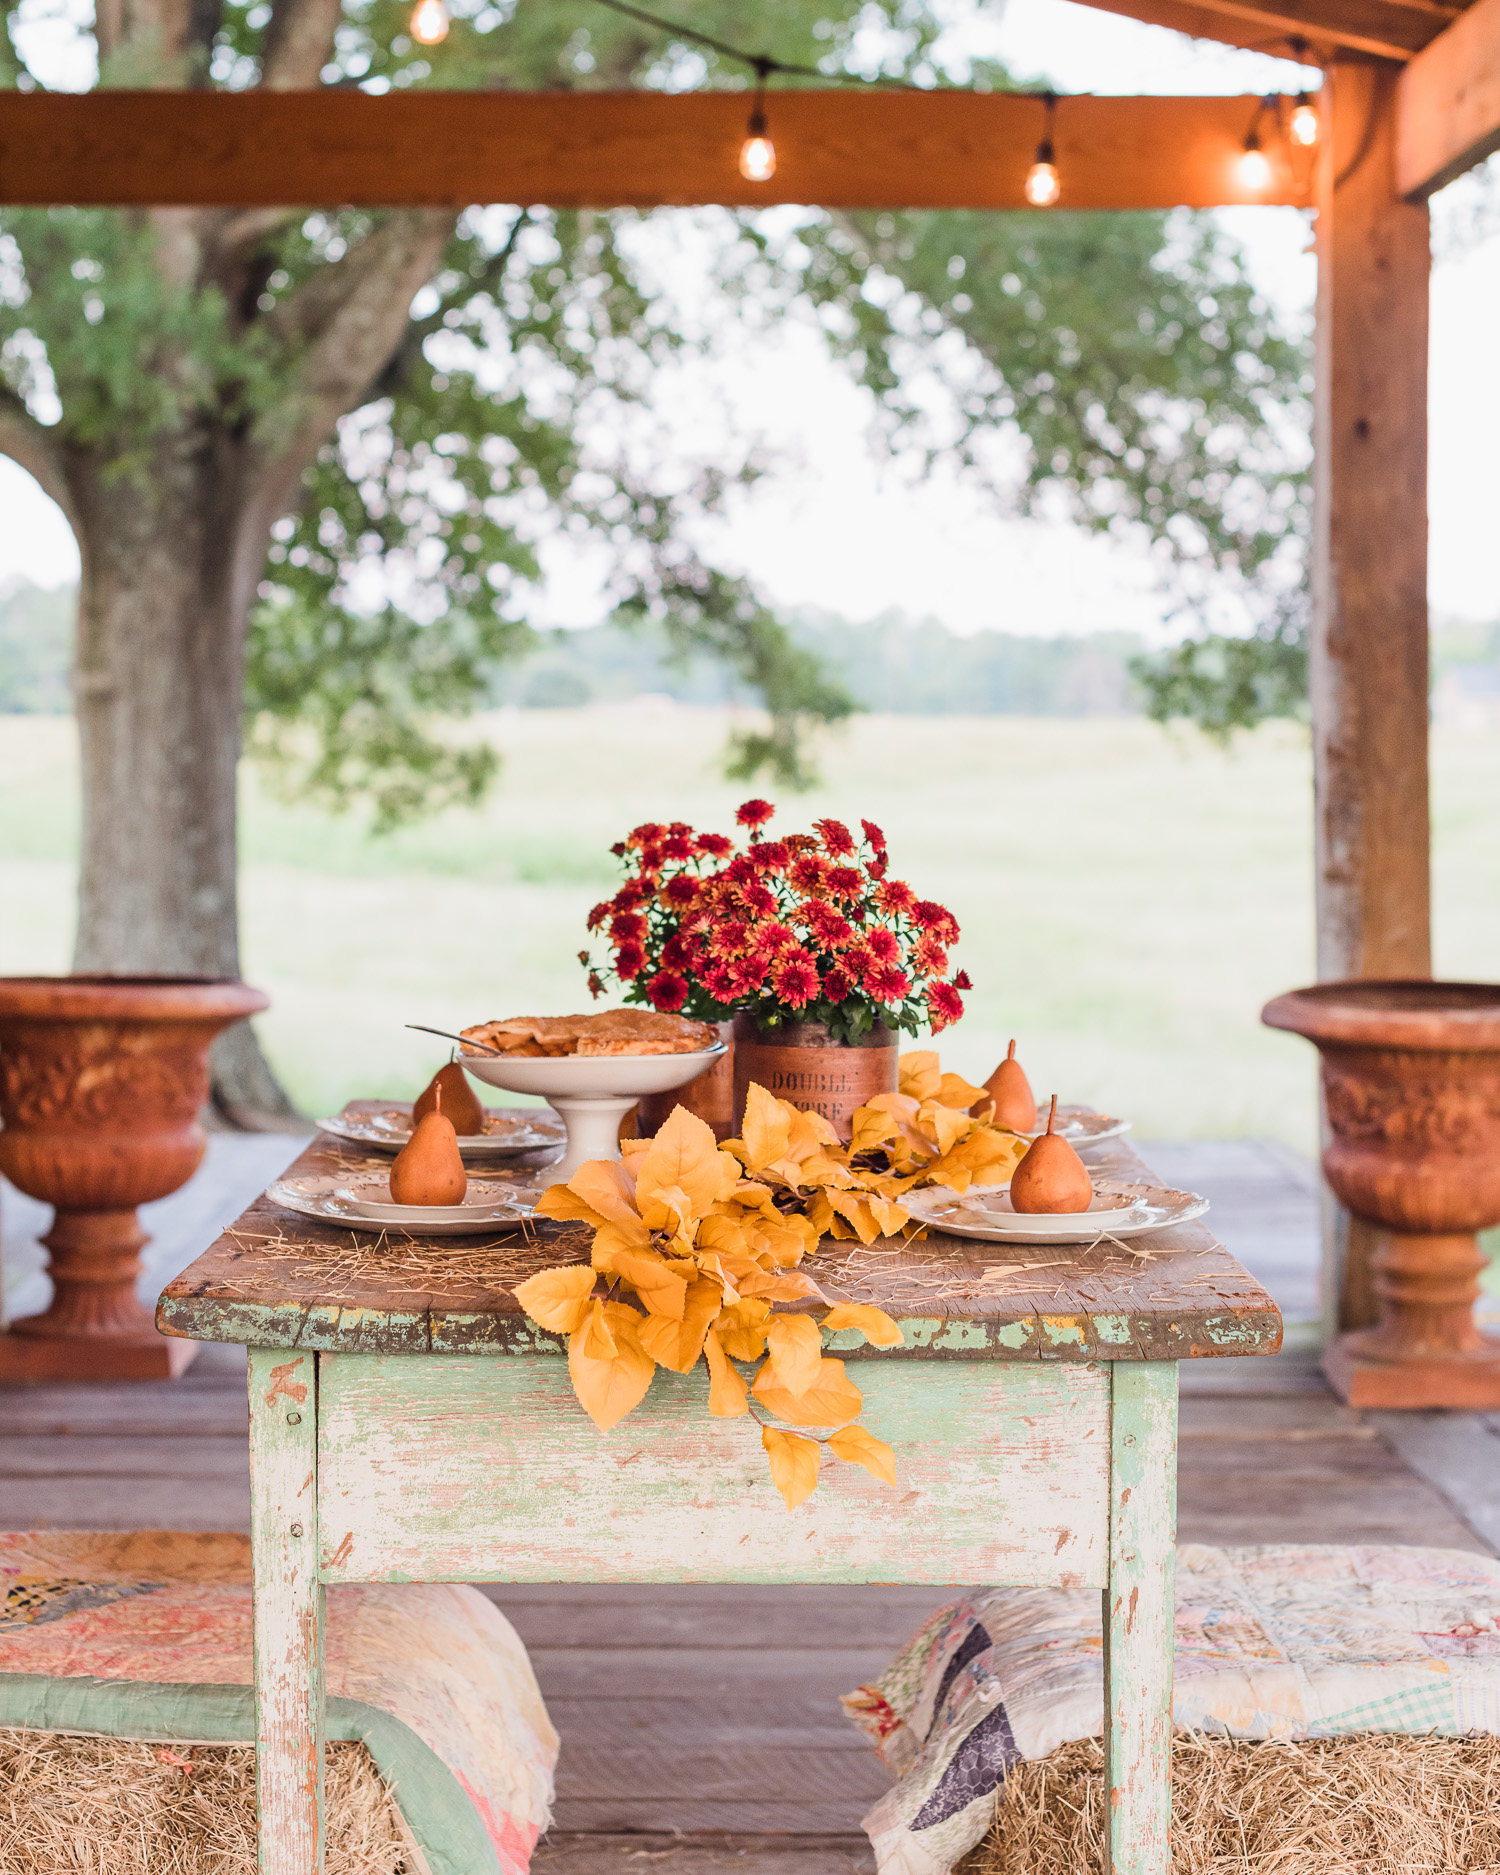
x=801, y=1063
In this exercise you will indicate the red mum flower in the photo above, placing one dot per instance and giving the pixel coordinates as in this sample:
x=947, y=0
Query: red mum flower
x=895, y=895
x=680, y=829
x=795, y=979
x=651, y=859
x=619, y=849
x=598, y=915
x=677, y=846
x=873, y=834
x=929, y=959
x=646, y=834
x=630, y=960
x=844, y=882
x=755, y=898
x=827, y=926
x=626, y=924
x=770, y=936
x=715, y=845
x=836, y=986
x=961, y=981
x=886, y=984
x=668, y=989
x=931, y=916
x=835, y=836
x=746, y=975
x=680, y=891
x=772, y=855
x=754, y=813
x=676, y=953
x=596, y=988
x=719, y=983
x=634, y=892
x=878, y=867
x=808, y=872
x=730, y=939
x=944, y=1006
x=740, y=870
x=883, y=944
x=857, y=959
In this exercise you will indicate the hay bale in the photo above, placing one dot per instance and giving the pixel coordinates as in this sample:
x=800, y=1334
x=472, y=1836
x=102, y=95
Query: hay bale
x=1367, y=1804
x=110, y=1806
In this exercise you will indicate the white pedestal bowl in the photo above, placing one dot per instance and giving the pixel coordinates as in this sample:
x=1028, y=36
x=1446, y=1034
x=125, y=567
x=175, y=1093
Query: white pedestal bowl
x=593, y=1093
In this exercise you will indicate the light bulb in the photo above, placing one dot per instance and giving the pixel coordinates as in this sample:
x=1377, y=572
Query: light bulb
x=757, y=159
x=1304, y=125
x=429, y=22
x=1042, y=185
x=1255, y=170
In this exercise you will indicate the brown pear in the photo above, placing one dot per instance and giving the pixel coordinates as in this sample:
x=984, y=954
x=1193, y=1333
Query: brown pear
x=429, y=1168
x=460, y=1102
x=1008, y=1087
x=1051, y=1177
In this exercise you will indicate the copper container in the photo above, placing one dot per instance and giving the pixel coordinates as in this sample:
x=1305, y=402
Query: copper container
x=1411, y=1082
x=802, y=1063
x=102, y=1080
x=711, y=1096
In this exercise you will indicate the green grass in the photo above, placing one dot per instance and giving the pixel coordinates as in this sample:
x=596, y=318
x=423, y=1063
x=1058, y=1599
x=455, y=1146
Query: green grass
x=1129, y=898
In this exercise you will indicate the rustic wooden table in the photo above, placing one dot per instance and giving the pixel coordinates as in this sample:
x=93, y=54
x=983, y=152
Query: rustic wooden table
x=409, y=1423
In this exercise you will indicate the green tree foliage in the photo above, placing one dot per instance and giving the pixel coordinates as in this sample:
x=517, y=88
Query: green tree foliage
x=1113, y=368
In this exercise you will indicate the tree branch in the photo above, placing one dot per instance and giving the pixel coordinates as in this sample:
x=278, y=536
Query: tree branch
x=298, y=43
x=30, y=444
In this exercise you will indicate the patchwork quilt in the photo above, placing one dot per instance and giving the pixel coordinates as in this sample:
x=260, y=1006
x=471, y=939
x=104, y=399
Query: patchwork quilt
x=1282, y=1641
x=148, y=1636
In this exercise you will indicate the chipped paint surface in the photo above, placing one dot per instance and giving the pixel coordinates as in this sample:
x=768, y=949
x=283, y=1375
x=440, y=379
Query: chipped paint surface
x=1138, y=1617
x=470, y=1469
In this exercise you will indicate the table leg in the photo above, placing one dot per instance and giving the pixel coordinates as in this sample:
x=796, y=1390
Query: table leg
x=1138, y=1617
x=288, y=1611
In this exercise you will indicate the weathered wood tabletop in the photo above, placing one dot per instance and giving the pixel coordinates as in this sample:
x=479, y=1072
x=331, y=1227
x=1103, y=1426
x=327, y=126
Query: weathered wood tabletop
x=277, y=1279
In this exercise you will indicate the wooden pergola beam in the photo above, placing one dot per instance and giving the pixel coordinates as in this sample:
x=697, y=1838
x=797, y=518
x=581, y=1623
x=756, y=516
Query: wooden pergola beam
x=1448, y=103
x=840, y=149
x=1390, y=29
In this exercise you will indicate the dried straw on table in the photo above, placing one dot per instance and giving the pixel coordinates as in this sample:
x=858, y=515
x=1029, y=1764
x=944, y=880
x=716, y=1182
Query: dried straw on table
x=1361, y=1805
x=109, y=1806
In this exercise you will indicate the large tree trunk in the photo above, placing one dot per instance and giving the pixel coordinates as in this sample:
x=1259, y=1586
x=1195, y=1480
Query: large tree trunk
x=161, y=631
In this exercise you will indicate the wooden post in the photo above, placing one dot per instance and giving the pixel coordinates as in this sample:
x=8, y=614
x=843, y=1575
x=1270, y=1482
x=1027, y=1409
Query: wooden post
x=1369, y=643
x=288, y=1611
x=1139, y=1610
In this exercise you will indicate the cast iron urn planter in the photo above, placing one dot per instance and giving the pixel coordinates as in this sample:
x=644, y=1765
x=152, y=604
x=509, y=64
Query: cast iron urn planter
x=102, y=1080
x=1411, y=1080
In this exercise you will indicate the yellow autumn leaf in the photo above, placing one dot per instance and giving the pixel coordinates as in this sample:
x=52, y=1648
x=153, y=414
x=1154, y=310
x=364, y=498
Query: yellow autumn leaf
x=767, y=1130
x=955, y=1091
x=918, y=1074
x=557, y=1299
x=684, y=1155
x=794, y=1464
x=607, y=1185
x=657, y=1284
x=874, y=1324
x=855, y=1212
x=944, y=1125
x=609, y=1368
x=796, y=1351
x=677, y=1344
x=857, y=1447
x=831, y=1399
x=741, y=1328
x=728, y=1396
x=563, y=1206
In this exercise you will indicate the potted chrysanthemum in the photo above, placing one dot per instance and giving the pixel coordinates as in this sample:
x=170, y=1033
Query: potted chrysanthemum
x=805, y=942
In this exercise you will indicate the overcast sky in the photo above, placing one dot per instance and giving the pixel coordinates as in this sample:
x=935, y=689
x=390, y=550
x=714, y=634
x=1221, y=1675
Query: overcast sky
x=833, y=529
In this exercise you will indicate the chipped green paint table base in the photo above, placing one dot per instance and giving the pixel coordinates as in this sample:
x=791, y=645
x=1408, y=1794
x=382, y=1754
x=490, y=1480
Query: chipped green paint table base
x=407, y=1423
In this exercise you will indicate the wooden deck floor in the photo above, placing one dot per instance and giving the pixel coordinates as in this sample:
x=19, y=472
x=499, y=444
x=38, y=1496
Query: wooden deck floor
x=701, y=1727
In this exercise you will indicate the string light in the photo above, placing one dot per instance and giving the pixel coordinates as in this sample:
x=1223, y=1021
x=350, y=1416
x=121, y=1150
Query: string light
x=757, y=152
x=1042, y=184
x=1254, y=167
x=1304, y=125
x=429, y=22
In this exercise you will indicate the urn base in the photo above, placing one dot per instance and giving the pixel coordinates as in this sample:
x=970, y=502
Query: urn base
x=1466, y=1382
x=144, y=1355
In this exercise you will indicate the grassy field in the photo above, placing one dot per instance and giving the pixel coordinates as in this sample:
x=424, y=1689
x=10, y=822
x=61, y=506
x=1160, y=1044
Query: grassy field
x=1129, y=898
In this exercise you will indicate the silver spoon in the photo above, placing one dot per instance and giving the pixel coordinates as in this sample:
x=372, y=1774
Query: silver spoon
x=466, y=1040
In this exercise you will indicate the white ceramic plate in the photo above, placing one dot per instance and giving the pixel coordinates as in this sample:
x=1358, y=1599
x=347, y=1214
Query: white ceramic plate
x=333, y=1198
x=1120, y=1209
x=503, y=1137
x=591, y=1077
x=1079, y=1126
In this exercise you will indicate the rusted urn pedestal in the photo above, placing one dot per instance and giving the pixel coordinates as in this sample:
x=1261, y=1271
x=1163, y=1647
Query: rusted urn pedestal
x=800, y=1062
x=102, y=1080
x=1411, y=1078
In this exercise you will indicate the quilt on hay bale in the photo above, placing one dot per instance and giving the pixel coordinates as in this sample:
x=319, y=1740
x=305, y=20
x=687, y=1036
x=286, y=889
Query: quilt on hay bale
x=147, y=1635
x=1281, y=1641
